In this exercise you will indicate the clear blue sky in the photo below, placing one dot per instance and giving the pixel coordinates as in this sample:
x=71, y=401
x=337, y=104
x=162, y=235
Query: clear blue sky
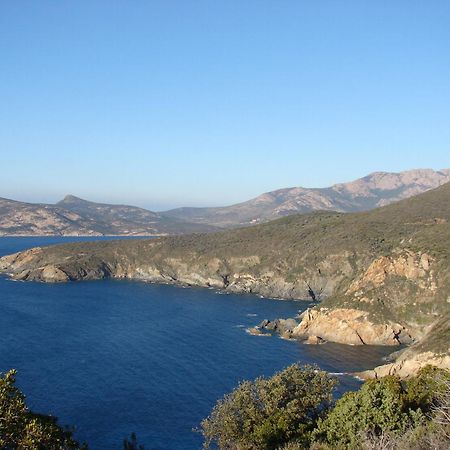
x=167, y=103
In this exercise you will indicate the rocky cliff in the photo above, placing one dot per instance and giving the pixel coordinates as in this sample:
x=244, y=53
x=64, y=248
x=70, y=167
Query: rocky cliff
x=379, y=277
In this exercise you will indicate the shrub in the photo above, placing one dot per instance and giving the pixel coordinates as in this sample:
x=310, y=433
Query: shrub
x=383, y=410
x=269, y=412
x=22, y=429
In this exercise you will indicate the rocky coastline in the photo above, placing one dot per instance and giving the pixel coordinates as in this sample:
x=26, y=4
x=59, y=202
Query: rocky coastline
x=378, y=278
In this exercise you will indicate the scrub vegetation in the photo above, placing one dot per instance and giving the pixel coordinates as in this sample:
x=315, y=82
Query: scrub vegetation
x=293, y=410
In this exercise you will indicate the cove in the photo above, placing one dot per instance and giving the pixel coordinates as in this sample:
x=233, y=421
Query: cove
x=114, y=357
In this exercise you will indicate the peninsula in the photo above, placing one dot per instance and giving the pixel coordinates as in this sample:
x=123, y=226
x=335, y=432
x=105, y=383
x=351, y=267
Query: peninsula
x=74, y=216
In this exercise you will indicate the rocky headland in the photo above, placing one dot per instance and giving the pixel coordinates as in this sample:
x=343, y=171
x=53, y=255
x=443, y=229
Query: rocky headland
x=74, y=216
x=378, y=277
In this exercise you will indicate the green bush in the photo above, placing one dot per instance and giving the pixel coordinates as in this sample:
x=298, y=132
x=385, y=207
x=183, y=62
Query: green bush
x=383, y=407
x=269, y=412
x=22, y=429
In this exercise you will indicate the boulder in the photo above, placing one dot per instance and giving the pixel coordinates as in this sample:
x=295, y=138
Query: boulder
x=314, y=340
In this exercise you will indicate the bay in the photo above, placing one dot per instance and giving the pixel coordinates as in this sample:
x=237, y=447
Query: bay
x=114, y=357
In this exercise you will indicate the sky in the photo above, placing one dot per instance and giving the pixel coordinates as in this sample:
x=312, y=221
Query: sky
x=199, y=103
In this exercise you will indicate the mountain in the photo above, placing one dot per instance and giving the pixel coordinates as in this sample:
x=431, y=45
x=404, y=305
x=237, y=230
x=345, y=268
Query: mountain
x=73, y=216
x=380, y=277
x=374, y=190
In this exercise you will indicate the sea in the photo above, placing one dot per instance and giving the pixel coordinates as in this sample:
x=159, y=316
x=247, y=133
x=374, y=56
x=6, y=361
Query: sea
x=111, y=357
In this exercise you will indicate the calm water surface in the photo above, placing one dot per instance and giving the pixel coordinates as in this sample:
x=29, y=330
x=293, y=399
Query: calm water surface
x=113, y=357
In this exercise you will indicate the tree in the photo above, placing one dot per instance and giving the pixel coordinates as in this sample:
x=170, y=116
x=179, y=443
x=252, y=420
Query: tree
x=22, y=429
x=269, y=412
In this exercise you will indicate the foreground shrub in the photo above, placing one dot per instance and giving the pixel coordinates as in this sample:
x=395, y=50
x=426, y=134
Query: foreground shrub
x=383, y=413
x=269, y=412
x=22, y=429
x=434, y=434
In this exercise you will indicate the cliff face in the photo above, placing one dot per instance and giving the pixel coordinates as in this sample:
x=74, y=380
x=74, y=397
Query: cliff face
x=382, y=277
x=432, y=349
x=247, y=274
x=351, y=326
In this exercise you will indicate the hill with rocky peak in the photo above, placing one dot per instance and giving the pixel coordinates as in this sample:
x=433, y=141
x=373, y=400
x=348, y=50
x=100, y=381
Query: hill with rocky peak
x=372, y=191
x=378, y=277
x=74, y=216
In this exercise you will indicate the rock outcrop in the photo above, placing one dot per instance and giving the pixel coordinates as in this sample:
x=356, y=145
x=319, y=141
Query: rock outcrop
x=432, y=349
x=408, y=365
x=414, y=267
x=350, y=326
x=314, y=340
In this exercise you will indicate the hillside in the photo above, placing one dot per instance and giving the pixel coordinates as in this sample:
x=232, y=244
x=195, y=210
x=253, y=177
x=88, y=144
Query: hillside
x=372, y=191
x=383, y=276
x=73, y=216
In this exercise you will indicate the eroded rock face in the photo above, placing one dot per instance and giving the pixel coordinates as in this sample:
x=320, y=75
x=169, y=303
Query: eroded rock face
x=47, y=274
x=414, y=267
x=349, y=326
x=14, y=262
x=408, y=365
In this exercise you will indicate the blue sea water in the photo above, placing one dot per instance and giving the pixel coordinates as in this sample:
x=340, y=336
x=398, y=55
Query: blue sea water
x=115, y=357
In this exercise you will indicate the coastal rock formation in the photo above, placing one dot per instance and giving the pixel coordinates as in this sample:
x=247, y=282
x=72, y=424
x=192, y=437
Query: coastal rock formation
x=408, y=365
x=314, y=340
x=378, y=277
x=350, y=326
x=281, y=326
x=432, y=349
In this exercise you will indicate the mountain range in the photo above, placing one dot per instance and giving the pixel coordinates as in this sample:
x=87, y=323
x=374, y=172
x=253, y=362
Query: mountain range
x=75, y=216
x=374, y=190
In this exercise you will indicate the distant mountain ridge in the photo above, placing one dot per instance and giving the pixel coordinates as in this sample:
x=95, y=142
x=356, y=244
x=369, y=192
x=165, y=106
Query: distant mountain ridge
x=74, y=216
x=372, y=191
